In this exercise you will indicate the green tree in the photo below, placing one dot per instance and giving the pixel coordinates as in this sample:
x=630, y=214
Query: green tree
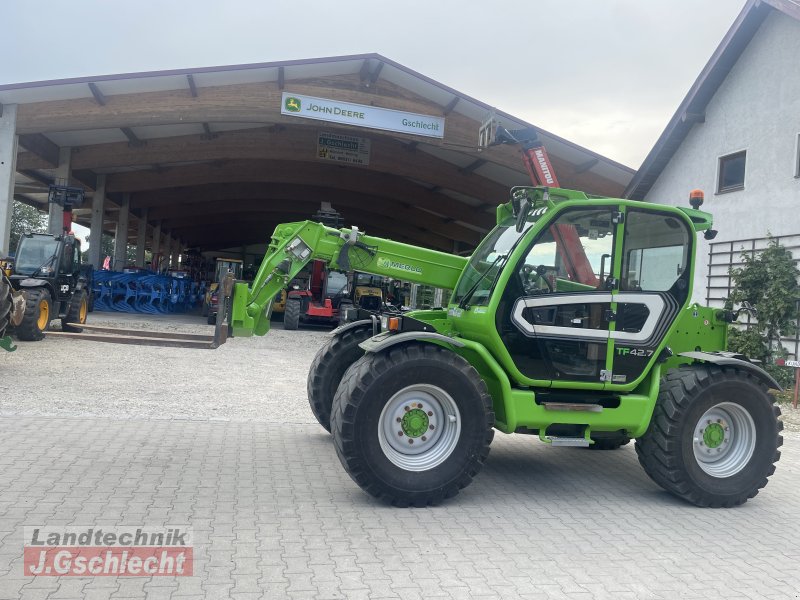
x=769, y=281
x=25, y=218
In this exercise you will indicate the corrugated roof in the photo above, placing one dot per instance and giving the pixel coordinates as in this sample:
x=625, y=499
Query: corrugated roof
x=366, y=64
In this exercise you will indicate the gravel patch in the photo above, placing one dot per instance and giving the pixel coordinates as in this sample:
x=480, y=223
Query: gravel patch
x=247, y=379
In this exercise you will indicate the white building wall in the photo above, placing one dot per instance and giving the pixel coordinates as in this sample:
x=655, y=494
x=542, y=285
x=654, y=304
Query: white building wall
x=757, y=109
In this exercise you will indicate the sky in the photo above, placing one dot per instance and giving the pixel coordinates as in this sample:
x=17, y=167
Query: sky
x=606, y=74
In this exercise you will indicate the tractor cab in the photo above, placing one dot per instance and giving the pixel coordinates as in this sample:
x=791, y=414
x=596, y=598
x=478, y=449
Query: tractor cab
x=581, y=292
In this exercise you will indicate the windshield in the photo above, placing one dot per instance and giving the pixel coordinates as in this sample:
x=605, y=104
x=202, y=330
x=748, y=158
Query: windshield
x=336, y=283
x=485, y=265
x=368, y=280
x=33, y=252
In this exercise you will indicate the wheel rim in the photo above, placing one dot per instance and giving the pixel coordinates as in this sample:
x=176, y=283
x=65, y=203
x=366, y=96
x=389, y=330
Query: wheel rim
x=83, y=310
x=419, y=427
x=724, y=439
x=44, y=315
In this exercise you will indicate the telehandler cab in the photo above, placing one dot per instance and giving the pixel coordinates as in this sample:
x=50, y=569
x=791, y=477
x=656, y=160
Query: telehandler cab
x=572, y=322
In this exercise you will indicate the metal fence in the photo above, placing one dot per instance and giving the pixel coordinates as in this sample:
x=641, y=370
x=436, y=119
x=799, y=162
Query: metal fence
x=724, y=256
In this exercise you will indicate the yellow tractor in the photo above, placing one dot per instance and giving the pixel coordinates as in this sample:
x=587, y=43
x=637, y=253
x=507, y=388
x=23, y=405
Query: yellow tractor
x=367, y=291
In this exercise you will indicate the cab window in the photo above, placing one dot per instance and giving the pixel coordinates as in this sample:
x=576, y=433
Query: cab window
x=655, y=254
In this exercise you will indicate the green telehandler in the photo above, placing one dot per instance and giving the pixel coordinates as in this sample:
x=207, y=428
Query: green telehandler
x=572, y=321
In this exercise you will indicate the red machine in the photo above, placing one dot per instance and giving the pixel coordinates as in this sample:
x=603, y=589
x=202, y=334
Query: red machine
x=321, y=302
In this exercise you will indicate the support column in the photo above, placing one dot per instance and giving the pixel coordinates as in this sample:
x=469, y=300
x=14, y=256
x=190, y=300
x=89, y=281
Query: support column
x=121, y=236
x=8, y=166
x=141, y=239
x=176, y=248
x=63, y=172
x=166, y=255
x=96, y=229
x=156, y=243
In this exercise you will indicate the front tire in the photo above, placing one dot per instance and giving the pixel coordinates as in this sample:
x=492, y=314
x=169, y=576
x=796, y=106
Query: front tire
x=291, y=315
x=330, y=364
x=38, y=312
x=412, y=425
x=78, y=309
x=714, y=436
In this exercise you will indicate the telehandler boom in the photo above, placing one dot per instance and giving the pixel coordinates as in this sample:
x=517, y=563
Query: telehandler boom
x=572, y=321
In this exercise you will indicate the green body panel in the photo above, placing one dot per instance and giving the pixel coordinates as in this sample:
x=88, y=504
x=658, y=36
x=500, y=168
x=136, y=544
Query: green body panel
x=514, y=395
x=477, y=323
x=251, y=303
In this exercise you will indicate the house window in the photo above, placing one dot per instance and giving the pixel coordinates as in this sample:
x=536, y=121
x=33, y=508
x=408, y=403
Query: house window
x=731, y=172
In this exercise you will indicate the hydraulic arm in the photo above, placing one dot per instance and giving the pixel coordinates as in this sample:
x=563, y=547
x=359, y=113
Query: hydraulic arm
x=293, y=245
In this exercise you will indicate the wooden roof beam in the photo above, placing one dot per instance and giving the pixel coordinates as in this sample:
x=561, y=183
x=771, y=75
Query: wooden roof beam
x=583, y=167
x=470, y=168
x=368, y=75
x=276, y=171
x=41, y=146
x=133, y=140
x=98, y=95
x=450, y=106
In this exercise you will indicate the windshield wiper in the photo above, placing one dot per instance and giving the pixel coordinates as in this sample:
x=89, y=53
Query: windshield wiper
x=43, y=265
x=468, y=296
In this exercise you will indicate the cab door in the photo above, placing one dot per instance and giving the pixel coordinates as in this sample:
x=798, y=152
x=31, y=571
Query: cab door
x=653, y=286
x=559, y=299
x=68, y=270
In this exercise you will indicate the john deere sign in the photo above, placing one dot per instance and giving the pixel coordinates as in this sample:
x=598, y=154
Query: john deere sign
x=361, y=115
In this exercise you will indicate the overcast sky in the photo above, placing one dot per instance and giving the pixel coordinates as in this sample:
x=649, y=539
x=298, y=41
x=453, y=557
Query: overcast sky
x=607, y=74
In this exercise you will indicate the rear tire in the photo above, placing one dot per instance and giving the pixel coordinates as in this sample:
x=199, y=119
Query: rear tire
x=291, y=314
x=36, y=320
x=714, y=436
x=5, y=304
x=330, y=364
x=432, y=396
x=78, y=309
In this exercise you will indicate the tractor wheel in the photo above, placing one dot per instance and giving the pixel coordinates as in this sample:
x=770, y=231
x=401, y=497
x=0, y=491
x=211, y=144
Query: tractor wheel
x=343, y=308
x=78, y=309
x=609, y=441
x=6, y=304
x=714, y=436
x=291, y=314
x=412, y=425
x=330, y=364
x=38, y=312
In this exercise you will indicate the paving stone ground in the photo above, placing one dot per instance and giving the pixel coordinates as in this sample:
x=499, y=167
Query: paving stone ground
x=275, y=516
